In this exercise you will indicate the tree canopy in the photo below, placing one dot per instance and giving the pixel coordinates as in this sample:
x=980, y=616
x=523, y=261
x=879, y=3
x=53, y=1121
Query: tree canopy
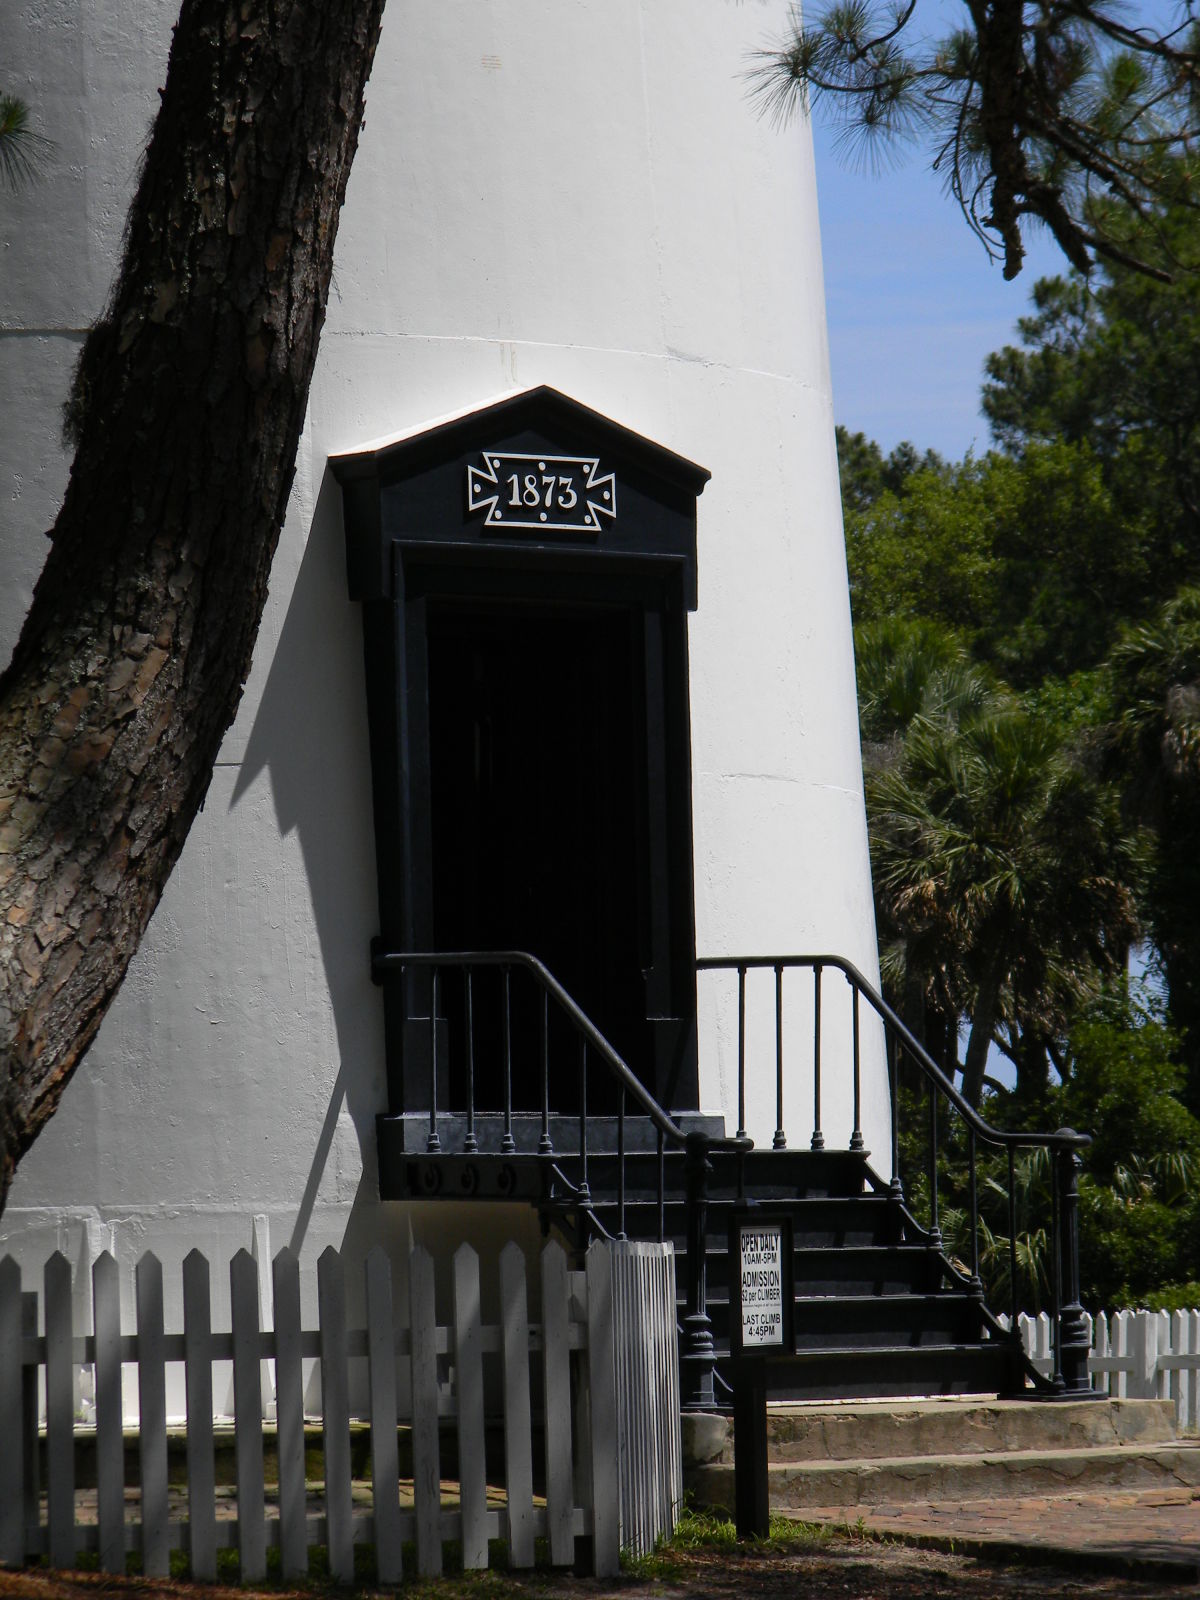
x=1043, y=111
x=1028, y=632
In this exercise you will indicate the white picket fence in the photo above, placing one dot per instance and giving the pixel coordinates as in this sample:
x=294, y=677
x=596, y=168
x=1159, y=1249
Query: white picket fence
x=1142, y=1355
x=605, y=1340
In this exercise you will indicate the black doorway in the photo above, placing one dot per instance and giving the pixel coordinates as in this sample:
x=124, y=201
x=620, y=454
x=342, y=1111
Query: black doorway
x=528, y=703
x=538, y=807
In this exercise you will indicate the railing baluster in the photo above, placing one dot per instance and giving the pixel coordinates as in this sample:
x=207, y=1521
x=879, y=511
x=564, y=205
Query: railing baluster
x=856, y=1136
x=507, y=1142
x=545, y=1145
x=585, y=1194
x=741, y=1128
x=433, y=1144
x=779, y=1142
x=891, y=1050
x=935, y=1232
x=976, y=1284
x=1056, y=1280
x=818, y=1138
x=621, y=1164
x=470, y=1143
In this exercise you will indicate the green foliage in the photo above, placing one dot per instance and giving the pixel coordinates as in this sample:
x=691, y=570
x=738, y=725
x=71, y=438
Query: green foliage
x=1139, y=1202
x=1002, y=876
x=22, y=149
x=1063, y=113
x=921, y=550
x=1028, y=628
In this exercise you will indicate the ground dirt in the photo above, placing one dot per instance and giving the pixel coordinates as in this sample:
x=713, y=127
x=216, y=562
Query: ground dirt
x=844, y=1567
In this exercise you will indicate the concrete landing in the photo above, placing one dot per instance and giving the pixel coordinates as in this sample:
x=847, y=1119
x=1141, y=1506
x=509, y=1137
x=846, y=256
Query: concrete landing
x=870, y=1454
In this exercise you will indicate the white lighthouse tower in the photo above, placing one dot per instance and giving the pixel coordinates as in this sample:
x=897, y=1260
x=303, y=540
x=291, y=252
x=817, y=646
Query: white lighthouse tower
x=565, y=225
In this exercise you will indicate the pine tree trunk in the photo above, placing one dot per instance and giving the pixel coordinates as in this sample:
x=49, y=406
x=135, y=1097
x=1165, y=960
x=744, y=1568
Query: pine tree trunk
x=188, y=407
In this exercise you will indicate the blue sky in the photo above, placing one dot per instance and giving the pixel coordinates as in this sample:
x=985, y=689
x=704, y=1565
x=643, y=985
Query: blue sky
x=914, y=305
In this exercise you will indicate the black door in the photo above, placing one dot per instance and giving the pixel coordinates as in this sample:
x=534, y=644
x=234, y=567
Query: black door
x=538, y=822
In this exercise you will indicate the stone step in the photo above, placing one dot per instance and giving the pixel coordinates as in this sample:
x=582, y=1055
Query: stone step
x=1010, y=1474
x=873, y=1430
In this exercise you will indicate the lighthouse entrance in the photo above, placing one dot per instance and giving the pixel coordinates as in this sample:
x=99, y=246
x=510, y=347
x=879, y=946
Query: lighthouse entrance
x=539, y=814
x=526, y=573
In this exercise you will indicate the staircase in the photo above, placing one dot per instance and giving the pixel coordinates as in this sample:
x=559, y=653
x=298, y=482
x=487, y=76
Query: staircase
x=880, y=1309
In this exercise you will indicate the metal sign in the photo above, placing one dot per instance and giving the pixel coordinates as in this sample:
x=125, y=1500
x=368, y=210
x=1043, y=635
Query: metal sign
x=761, y=1251
x=543, y=493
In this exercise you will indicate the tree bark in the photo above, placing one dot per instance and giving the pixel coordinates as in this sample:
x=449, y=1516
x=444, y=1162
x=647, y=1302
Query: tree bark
x=983, y=1027
x=188, y=406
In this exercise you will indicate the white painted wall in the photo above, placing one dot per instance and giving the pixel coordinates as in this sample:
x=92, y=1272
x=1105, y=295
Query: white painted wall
x=573, y=192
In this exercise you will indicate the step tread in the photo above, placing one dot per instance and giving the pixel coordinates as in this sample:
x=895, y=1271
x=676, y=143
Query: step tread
x=869, y=1354
x=965, y=1460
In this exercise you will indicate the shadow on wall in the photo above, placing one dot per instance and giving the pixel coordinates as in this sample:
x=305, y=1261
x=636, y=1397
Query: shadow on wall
x=310, y=736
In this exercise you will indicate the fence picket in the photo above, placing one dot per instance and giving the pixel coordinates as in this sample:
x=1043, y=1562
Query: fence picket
x=60, y=1411
x=1143, y=1380
x=110, y=1442
x=427, y=1489
x=29, y=1416
x=152, y=1417
x=335, y=1397
x=1192, y=1418
x=12, y=1417
x=556, y=1368
x=289, y=1414
x=385, y=1465
x=518, y=1449
x=468, y=1361
x=247, y=1412
x=1101, y=1380
x=201, y=1474
x=1163, y=1343
x=602, y=1409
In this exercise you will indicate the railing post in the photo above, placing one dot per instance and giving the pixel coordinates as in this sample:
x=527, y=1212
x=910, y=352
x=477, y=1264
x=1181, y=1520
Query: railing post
x=1074, y=1342
x=697, y=1356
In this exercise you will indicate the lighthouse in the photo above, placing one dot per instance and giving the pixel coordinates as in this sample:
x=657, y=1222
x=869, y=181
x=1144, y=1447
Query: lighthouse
x=557, y=659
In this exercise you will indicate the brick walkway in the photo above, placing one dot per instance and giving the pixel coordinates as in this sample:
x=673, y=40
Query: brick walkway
x=1149, y=1533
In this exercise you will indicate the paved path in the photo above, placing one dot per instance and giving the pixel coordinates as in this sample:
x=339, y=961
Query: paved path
x=1149, y=1532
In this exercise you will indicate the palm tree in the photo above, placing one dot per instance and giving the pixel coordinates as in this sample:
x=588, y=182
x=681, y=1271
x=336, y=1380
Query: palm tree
x=1003, y=879
x=1155, y=670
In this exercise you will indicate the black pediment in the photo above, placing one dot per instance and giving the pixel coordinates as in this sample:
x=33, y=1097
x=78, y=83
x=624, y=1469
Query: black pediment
x=535, y=477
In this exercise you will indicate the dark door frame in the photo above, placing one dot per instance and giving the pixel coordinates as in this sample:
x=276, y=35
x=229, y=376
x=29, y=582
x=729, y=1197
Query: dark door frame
x=396, y=646
x=417, y=529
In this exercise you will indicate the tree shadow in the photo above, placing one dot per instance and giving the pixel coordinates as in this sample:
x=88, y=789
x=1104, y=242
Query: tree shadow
x=310, y=737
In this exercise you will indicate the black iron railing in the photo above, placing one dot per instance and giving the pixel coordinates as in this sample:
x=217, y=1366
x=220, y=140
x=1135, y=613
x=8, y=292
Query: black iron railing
x=698, y=1351
x=1071, y=1343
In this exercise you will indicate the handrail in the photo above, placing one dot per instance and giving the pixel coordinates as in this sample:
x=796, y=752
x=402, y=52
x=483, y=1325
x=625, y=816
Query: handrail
x=1061, y=1139
x=384, y=961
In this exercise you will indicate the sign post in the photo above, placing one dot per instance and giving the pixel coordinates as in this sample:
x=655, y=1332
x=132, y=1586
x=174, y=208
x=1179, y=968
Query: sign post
x=761, y=1303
